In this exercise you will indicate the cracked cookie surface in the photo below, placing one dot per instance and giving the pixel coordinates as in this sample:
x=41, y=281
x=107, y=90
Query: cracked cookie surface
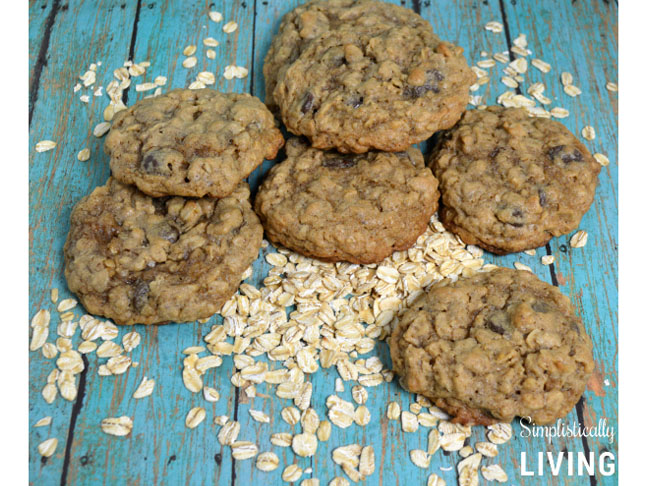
x=140, y=260
x=356, y=208
x=510, y=182
x=191, y=143
x=358, y=75
x=494, y=346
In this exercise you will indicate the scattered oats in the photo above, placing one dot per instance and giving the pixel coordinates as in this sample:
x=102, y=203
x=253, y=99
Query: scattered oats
x=579, y=239
x=215, y=16
x=420, y=458
x=393, y=410
x=104, y=371
x=559, y=112
x=119, y=426
x=145, y=388
x=276, y=259
x=66, y=305
x=136, y=70
x=145, y=87
x=341, y=414
x=339, y=385
x=433, y=442
x=362, y=416
x=494, y=472
x=211, y=394
x=108, y=349
x=43, y=422
x=465, y=451
x=520, y=65
x=197, y=85
x=495, y=27
x=367, y=464
x=434, y=480
x=572, y=90
x=499, y=433
x=260, y=416
x=70, y=361
x=486, y=63
x=347, y=455
x=291, y=473
x=541, y=65
x=190, y=62
x=221, y=420
x=47, y=447
x=501, y=57
x=409, y=422
x=309, y=481
x=230, y=27
x=547, y=259
x=229, y=433
x=310, y=421
x=211, y=54
x=610, y=86
x=243, y=449
x=39, y=337
x=49, y=392
x=267, y=461
x=305, y=444
x=49, y=350
x=281, y=439
x=324, y=431
x=193, y=350
x=486, y=449
x=130, y=341
x=602, y=159
x=522, y=266
x=588, y=133
x=190, y=50
x=160, y=80
x=415, y=408
x=206, y=77
x=510, y=82
x=453, y=441
x=101, y=129
x=191, y=379
x=359, y=394
x=41, y=319
x=339, y=481
x=427, y=420
x=84, y=154
x=118, y=364
x=77, y=87
x=566, y=78
x=290, y=415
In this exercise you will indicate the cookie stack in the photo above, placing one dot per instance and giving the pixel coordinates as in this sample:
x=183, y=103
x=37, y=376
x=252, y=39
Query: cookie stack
x=169, y=236
x=362, y=81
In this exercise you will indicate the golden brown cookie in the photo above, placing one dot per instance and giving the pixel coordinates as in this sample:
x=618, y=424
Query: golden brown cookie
x=140, y=260
x=191, y=143
x=358, y=75
x=510, y=182
x=356, y=208
x=494, y=346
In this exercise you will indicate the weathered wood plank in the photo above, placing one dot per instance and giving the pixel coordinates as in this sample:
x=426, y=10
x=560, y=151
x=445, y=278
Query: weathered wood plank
x=589, y=275
x=83, y=33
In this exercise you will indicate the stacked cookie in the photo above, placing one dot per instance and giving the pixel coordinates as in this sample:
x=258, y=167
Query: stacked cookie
x=362, y=81
x=169, y=236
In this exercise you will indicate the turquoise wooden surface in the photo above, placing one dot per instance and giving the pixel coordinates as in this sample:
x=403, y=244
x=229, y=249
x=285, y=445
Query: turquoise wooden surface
x=66, y=36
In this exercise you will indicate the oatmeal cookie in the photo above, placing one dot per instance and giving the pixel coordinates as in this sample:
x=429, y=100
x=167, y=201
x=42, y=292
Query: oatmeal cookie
x=510, y=182
x=357, y=75
x=140, y=260
x=191, y=143
x=494, y=346
x=355, y=208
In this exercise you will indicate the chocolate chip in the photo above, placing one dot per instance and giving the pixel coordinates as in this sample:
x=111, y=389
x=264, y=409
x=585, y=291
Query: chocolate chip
x=574, y=156
x=436, y=74
x=356, y=101
x=493, y=153
x=167, y=232
x=553, y=151
x=150, y=164
x=543, y=197
x=498, y=322
x=339, y=163
x=140, y=295
x=307, y=105
x=540, y=306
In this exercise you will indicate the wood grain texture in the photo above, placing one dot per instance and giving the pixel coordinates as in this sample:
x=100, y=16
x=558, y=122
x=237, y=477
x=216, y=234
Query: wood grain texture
x=580, y=37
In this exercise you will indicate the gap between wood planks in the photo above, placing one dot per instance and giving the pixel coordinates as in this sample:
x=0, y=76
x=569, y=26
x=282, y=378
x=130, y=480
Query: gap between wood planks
x=552, y=266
